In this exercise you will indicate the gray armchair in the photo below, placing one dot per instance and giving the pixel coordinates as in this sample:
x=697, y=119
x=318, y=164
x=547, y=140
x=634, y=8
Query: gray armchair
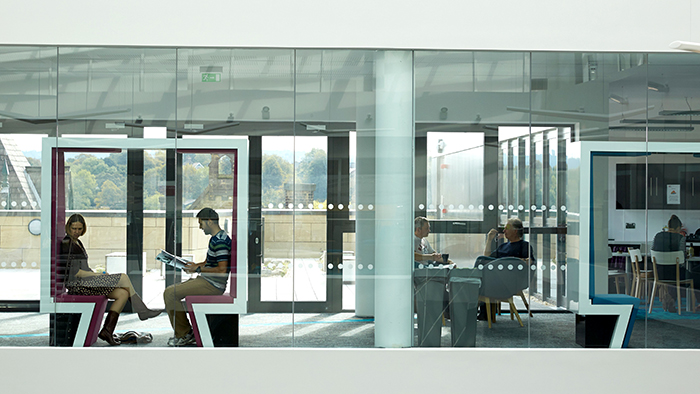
x=501, y=279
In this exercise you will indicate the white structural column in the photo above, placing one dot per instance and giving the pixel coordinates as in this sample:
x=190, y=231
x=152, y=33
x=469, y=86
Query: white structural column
x=394, y=200
x=365, y=189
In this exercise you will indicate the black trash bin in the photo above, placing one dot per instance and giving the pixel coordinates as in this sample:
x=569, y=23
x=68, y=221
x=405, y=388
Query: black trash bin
x=430, y=286
x=464, y=284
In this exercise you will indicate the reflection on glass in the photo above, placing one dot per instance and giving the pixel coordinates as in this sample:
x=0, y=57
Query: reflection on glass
x=455, y=175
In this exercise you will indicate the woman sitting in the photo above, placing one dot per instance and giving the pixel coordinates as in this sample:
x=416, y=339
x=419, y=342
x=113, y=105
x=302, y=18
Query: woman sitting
x=81, y=280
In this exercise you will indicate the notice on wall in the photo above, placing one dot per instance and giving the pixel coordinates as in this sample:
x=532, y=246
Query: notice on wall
x=673, y=194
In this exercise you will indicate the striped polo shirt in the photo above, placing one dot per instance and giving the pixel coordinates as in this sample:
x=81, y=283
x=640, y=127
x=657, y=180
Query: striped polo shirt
x=219, y=250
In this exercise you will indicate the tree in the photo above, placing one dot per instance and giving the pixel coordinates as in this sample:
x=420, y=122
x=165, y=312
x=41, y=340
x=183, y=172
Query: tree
x=275, y=173
x=194, y=181
x=110, y=197
x=313, y=168
x=152, y=202
x=84, y=186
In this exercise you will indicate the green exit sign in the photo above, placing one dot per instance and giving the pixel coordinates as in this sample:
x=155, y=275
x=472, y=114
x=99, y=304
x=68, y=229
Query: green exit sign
x=211, y=77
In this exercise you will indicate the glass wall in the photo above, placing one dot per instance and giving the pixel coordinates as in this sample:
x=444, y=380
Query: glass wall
x=317, y=163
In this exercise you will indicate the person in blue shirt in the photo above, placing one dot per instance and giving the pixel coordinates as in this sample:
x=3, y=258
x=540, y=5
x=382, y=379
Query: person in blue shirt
x=515, y=247
x=214, y=272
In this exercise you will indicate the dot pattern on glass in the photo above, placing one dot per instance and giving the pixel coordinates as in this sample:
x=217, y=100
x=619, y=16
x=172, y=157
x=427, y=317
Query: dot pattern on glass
x=280, y=205
x=441, y=206
x=500, y=267
x=301, y=206
x=451, y=206
x=14, y=203
x=33, y=203
x=563, y=208
x=4, y=264
x=421, y=266
x=490, y=267
x=481, y=266
x=431, y=206
x=360, y=207
x=542, y=267
x=24, y=264
x=24, y=203
x=533, y=207
x=544, y=207
x=520, y=207
x=340, y=206
x=500, y=207
x=311, y=206
x=33, y=263
x=290, y=206
x=421, y=206
x=510, y=207
x=532, y=267
x=3, y=203
x=490, y=207
x=470, y=207
x=13, y=264
x=340, y=266
x=430, y=265
x=330, y=266
x=270, y=205
x=563, y=267
x=520, y=267
x=370, y=267
x=481, y=207
x=510, y=267
x=349, y=266
x=311, y=266
x=553, y=267
x=370, y=207
x=330, y=206
x=360, y=266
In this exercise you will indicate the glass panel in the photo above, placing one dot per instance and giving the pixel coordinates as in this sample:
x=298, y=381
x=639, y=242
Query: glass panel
x=332, y=93
x=455, y=176
x=477, y=157
x=244, y=93
x=27, y=114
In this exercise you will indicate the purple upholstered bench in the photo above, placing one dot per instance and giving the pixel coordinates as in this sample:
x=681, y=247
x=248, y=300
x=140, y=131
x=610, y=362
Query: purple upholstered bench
x=220, y=326
x=62, y=297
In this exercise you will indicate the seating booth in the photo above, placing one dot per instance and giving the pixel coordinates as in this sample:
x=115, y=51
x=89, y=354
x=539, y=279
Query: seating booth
x=76, y=320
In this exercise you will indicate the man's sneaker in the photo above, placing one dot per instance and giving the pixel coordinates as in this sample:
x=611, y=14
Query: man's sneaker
x=187, y=340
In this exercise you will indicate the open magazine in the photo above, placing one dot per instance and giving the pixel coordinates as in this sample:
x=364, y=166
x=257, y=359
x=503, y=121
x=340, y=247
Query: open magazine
x=171, y=260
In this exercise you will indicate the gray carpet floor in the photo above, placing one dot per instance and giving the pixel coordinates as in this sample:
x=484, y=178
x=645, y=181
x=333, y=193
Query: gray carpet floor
x=344, y=330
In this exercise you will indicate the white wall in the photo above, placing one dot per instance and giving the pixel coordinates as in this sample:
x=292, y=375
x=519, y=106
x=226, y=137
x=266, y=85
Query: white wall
x=593, y=25
x=172, y=371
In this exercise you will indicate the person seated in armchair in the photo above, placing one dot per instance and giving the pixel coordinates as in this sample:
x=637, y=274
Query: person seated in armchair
x=672, y=240
x=515, y=247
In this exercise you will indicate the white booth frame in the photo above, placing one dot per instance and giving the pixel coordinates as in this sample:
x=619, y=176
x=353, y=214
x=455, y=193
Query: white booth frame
x=239, y=306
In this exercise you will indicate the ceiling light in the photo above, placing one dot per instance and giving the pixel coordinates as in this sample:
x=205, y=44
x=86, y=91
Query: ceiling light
x=657, y=87
x=642, y=128
x=618, y=99
x=685, y=46
x=678, y=113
